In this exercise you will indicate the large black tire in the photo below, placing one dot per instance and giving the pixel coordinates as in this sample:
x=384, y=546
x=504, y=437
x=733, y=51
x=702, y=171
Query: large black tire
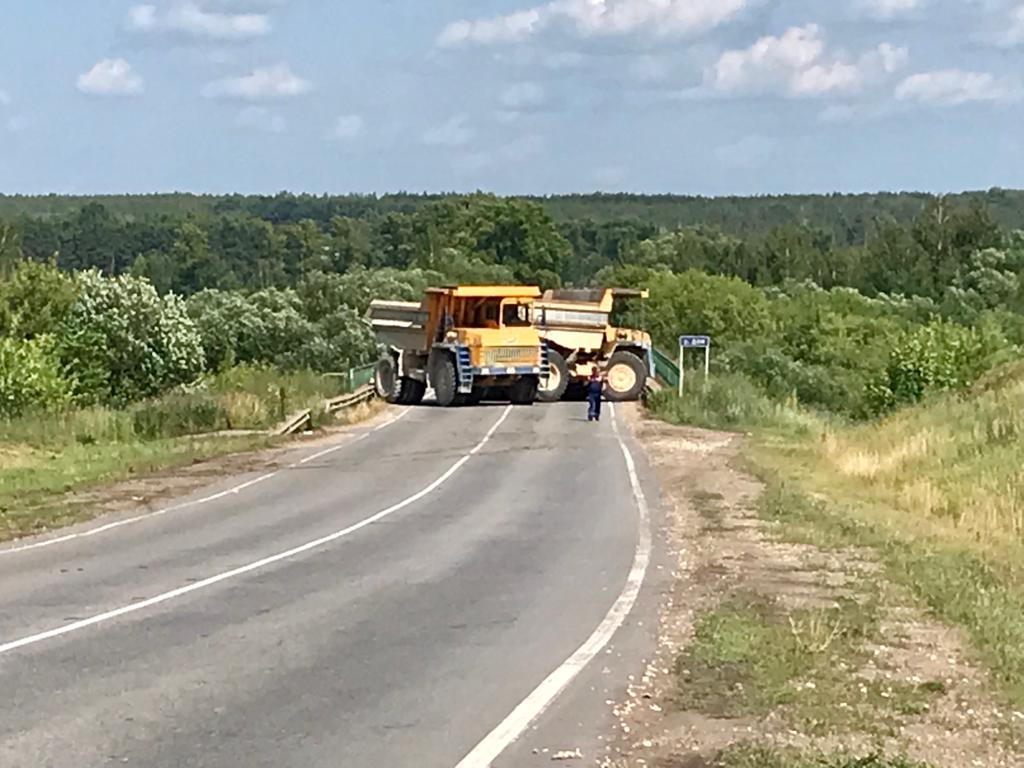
x=411, y=391
x=552, y=389
x=625, y=378
x=445, y=382
x=394, y=389
x=385, y=381
x=524, y=391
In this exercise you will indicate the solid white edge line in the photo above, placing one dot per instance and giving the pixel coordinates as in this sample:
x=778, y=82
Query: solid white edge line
x=534, y=705
x=197, y=502
x=259, y=564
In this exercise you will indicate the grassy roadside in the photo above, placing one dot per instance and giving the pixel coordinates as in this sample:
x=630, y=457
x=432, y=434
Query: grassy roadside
x=44, y=458
x=933, y=494
x=936, y=491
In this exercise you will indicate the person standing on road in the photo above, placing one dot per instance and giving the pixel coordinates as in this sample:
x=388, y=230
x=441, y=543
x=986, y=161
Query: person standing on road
x=595, y=390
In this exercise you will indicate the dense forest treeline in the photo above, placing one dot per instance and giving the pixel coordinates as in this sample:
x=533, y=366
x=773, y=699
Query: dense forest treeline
x=113, y=301
x=256, y=243
x=846, y=218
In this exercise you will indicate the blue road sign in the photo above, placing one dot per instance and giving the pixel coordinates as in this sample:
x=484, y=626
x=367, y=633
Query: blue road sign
x=695, y=342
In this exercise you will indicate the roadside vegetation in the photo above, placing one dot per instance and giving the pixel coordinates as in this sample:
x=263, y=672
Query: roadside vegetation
x=867, y=345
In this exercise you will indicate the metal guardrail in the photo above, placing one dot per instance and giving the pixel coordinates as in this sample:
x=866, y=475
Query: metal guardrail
x=666, y=369
x=303, y=419
x=355, y=378
x=362, y=395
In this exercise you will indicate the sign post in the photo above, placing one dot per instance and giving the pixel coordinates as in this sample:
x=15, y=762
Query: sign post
x=693, y=342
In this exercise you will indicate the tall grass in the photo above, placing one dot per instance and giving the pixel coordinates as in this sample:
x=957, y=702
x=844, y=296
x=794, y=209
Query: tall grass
x=731, y=401
x=45, y=455
x=956, y=461
x=937, y=490
x=245, y=398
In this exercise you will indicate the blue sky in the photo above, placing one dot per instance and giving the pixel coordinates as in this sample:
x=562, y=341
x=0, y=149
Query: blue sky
x=512, y=96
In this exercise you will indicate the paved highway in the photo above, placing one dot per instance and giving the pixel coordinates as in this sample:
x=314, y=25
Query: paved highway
x=420, y=596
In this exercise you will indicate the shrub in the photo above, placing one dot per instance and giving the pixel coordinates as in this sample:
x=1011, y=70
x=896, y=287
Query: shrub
x=30, y=377
x=938, y=357
x=122, y=342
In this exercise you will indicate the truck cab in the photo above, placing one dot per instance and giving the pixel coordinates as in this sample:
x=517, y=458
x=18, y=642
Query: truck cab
x=464, y=341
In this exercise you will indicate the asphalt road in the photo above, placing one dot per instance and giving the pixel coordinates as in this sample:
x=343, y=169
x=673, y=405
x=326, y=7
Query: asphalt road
x=390, y=603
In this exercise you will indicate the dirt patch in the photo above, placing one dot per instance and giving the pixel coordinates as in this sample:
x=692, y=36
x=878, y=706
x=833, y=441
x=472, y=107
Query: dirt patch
x=789, y=647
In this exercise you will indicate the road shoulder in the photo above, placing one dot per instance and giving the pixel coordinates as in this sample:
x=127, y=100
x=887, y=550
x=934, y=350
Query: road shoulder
x=778, y=651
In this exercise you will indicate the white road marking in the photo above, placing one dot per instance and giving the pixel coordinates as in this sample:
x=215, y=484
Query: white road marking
x=534, y=705
x=196, y=502
x=259, y=564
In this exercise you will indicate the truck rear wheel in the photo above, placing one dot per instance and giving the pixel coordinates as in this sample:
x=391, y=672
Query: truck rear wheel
x=394, y=389
x=445, y=381
x=552, y=389
x=524, y=391
x=411, y=391
x=626, y=377
x=385, y=380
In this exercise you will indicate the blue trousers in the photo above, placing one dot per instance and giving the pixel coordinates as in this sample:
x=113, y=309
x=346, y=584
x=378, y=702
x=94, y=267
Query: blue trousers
x=594, y=412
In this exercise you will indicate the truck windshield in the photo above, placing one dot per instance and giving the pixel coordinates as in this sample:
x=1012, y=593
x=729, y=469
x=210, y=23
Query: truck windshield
x=515, y=315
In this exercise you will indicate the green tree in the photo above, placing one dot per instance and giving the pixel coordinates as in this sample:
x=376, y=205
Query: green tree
x=35, y=300
x=30, y=377
x=349, y=245
x=121, y=341
x=10, y=250
x=938, y=357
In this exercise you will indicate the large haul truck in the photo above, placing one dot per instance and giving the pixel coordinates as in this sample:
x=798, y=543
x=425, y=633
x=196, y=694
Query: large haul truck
x=464, y=341
x=576, y=325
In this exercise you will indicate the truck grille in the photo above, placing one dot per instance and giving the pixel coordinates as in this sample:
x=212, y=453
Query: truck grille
x=511, y=355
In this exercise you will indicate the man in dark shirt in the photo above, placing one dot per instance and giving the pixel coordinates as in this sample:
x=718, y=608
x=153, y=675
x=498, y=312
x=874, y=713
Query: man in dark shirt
x=595, y=389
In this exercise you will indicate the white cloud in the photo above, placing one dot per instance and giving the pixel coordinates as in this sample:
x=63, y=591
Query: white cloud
x=110, y=77
x=856, y=112
x=953, y=87
x=454, y=132
x=348, y=127
x=191, y=18
x=1014, y=33
x=649, y=69
x=523, y=97
x=889, y=9
x=564, y=60
x=594, y=18
x=276, y=82
x=5, y=99
x=798, y=64
x=261, y=119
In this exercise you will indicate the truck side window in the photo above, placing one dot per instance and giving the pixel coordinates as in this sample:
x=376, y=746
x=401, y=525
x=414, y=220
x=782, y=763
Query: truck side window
x=515, y=315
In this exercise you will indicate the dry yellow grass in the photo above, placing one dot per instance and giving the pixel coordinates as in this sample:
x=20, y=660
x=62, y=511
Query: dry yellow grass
x=955, y=463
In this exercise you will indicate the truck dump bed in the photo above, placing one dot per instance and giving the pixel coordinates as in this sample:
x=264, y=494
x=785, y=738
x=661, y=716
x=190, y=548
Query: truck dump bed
x=400, y=324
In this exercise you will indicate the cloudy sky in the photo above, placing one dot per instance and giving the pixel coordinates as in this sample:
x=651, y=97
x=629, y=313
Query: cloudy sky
x=513, y=96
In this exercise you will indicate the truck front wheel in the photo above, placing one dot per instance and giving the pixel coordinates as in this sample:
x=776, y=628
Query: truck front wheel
x=552, y=388
x=445, y=382
x=626, y=377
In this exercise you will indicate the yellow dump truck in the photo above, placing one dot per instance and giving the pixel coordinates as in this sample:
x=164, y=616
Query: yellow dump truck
x=464, y=341
x=576, y=325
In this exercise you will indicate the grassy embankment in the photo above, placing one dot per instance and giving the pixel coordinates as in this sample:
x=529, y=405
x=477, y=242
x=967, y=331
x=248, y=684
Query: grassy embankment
x=44, y=457
x=935, y=491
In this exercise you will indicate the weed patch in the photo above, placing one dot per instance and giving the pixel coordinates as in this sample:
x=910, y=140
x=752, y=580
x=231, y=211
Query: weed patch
x=746, y=756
